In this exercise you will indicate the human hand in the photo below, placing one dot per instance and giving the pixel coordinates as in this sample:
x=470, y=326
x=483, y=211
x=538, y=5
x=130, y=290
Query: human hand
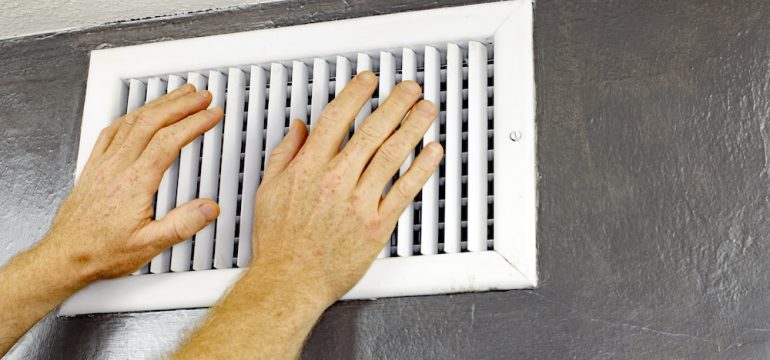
x=105, y=227
x=320, y=218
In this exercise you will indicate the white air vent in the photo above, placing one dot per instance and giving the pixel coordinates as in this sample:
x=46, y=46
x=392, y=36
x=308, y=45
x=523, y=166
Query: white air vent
x=471, y=229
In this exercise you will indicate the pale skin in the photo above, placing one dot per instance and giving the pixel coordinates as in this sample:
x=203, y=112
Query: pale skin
x=320, y=218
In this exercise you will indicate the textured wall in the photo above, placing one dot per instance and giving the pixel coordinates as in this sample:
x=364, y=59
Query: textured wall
x=20, y=17
x=654, y=232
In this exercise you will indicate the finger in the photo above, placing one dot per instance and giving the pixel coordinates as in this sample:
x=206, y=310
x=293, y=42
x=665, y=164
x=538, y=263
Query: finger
x=334, y=121
x=179, y=224
x=285, y=152
x=378, y=127
x=408, y=185
x=130, y=118
x=180, y=91
x=395, y=150
x=165, y=146
x=103, y=142
x=149, y=121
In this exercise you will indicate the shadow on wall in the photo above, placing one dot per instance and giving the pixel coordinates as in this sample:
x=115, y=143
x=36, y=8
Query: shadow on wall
x=113, y=336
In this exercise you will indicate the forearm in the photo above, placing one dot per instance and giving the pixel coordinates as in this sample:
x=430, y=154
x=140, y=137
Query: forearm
x=34, y=283
x=262, y=317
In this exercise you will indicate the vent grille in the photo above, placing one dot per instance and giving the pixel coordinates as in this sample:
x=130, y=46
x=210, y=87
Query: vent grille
x=452, y=214
x=473, y=226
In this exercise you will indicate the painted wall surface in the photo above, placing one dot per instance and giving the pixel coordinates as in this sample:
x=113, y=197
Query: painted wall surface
x=20, y=17
x=654, y=160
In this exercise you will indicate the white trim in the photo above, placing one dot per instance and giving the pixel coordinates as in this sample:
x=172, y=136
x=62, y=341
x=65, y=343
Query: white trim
x=516, y=176
x=511, y=265
x=445, y=273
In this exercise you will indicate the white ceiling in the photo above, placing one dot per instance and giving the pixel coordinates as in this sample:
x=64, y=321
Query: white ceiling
x=27, y=17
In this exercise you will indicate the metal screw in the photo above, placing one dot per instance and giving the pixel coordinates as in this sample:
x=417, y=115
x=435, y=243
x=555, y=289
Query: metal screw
x=515, y=135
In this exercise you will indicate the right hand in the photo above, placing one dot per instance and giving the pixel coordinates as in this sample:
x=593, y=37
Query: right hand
x=320, y=217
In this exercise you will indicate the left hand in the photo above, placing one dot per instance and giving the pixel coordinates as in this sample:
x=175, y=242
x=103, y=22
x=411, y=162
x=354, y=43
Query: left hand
x=105, y=227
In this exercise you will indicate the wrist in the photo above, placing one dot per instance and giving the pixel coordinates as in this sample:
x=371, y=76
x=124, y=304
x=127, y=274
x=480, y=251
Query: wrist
x=310, y=297
x=59, y=263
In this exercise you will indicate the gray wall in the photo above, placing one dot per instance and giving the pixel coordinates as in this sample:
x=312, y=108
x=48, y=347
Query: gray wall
x=653, y=152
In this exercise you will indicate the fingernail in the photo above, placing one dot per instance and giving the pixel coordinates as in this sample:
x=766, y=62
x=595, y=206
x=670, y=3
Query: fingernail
x=209, y=211
x=204, y=93
x=216, y=111
x=426, y=107
x=367, y=77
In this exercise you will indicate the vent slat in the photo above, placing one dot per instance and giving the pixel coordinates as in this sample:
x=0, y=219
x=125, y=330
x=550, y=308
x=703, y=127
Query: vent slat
x=405, y=226
x=298, y=98
x=344, y=71
x=453, y=159
x=276, y=109
x=187, y=185
x=210, y=166
x=229, y=178
x=136, y=95
x=320, y=92
x=166, y=199
x=343, y=74
x=255, y=125
x=387, y=81
x=137, y=91
x=430, y=192
x=477, y=146
x=363, y=63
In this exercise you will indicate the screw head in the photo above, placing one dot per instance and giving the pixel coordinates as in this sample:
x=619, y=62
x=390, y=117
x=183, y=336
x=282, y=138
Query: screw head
x=515, y=135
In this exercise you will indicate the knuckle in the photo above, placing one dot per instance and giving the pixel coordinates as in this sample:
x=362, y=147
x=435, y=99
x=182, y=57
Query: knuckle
x=179, y=230
x=130, y=118
x=106, y=133
x=155, y=156
x=144, y=118
x=166, y=136
x=373, y=223
x=331, y=181
x=355, y=199
x=424, y=167
x=396, y=100
x=360, y=199
x=295, y=171
x=412, y=131
x=332, y=113
x=367, y=133
x=402, y=189
x=277, y=154
x=389, y=153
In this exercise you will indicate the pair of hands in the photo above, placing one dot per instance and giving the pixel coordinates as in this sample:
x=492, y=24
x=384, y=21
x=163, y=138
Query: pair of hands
x=320, y=217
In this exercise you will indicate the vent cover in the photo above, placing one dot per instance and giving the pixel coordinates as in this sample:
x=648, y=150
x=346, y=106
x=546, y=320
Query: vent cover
x=472, y=228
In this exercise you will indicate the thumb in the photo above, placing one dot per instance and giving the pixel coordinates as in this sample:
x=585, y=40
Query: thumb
x=181, y=223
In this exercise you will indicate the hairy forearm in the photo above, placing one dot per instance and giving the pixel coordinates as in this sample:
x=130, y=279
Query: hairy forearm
x=34, y=283
x=264, y=316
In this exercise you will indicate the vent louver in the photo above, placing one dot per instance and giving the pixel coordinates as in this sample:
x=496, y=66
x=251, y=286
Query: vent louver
x=448, y=236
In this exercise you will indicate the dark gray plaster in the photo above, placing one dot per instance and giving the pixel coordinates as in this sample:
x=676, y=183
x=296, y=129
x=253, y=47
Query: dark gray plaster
x=653, y=154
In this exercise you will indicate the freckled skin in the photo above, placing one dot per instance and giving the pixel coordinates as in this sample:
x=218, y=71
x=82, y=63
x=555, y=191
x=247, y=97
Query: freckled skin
x=320, y=219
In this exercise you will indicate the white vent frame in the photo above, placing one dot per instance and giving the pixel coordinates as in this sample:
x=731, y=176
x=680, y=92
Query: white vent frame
x=511, y=264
